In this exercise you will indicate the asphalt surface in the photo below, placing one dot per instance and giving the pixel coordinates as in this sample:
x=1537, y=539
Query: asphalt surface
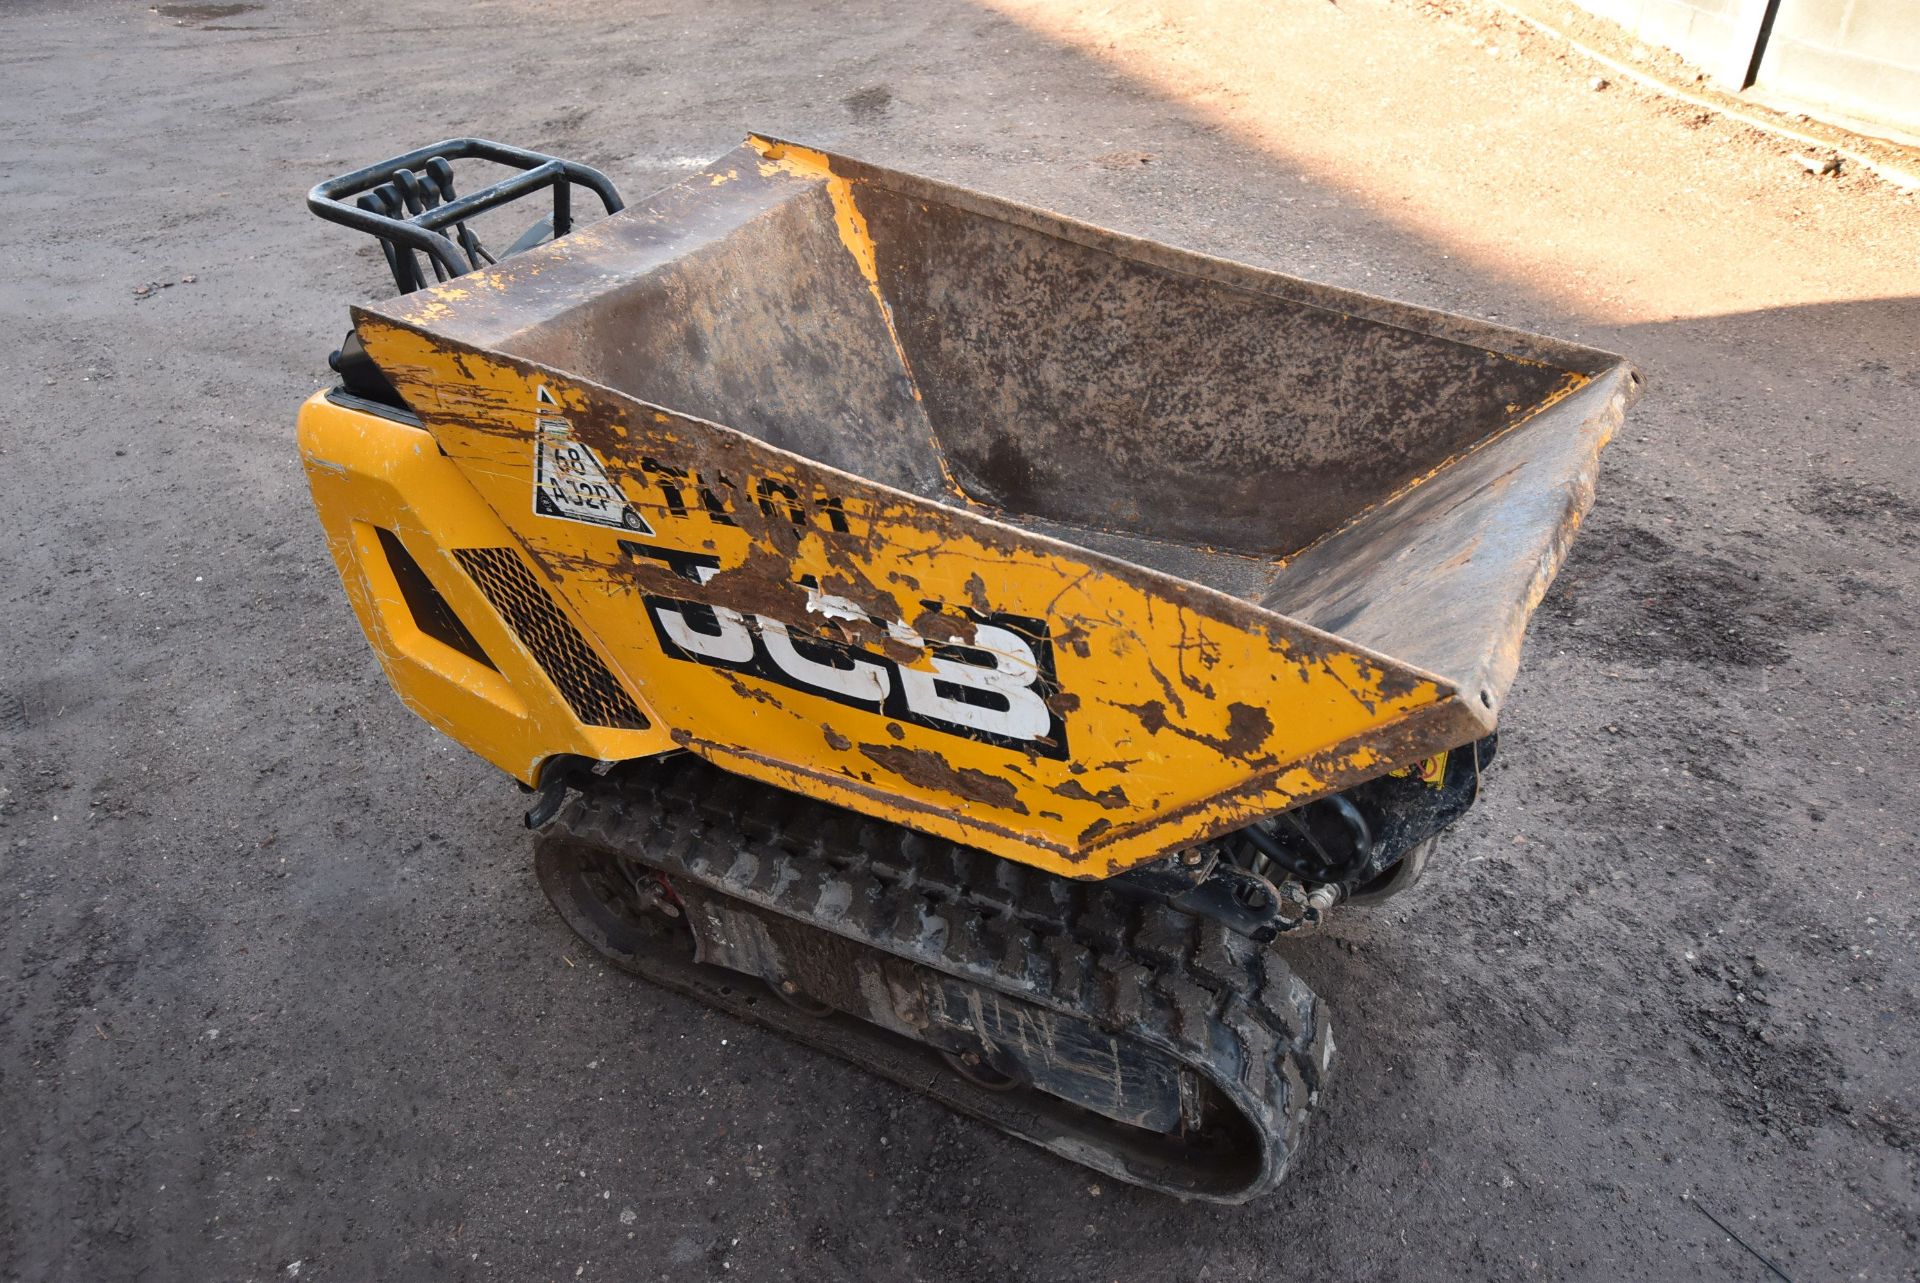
x=282, y=999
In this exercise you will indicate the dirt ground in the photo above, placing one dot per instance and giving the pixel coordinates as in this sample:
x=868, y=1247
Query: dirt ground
x=282, y=999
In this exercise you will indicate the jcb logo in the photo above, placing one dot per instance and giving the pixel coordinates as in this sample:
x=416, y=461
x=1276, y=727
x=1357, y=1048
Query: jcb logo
x=998, y=688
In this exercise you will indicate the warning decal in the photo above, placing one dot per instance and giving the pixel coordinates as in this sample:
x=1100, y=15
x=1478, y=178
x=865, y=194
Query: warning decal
x=570, y=482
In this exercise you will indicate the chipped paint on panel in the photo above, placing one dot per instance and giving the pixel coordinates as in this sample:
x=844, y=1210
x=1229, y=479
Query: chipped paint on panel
x=1184, y=698
x=1103, y=647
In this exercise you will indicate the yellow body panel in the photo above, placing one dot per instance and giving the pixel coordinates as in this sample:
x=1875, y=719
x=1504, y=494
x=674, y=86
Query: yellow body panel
x=1171, y=717
x=367, y=473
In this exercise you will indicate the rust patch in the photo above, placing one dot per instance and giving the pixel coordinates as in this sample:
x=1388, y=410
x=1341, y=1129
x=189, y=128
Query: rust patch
x=1095, y=829
x=772, y=771
x=1330, y=771
x=930, y=770
x=757, y=586
x=835, y=740
x=1367, y=672
x=977, y=594
x=1114, y=798
x=1152, y=715
x=896, y=730
x=1248, y=727
x=900, y=652
x=1166, y=687
x=935, y=625
x=872, y=600
x=753, y=693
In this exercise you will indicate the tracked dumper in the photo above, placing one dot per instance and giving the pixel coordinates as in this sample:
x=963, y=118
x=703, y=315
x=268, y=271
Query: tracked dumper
x=960, y=638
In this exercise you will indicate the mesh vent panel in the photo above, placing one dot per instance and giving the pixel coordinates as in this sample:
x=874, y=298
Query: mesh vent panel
x=589, y=687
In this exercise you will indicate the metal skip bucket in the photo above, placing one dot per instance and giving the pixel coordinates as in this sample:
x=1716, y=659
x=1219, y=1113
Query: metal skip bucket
x=1067, y=545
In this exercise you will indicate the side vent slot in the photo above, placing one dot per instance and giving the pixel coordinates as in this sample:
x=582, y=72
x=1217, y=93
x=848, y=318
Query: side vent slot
x=432, y=613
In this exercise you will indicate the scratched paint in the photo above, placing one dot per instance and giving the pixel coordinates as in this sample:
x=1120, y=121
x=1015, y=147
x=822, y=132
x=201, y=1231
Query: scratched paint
x=1194, y=711
x=935, y=663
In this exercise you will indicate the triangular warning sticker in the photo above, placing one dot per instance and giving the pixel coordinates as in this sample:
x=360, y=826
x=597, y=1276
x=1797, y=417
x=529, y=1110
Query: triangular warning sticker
x=571, y=483
x=543, y=396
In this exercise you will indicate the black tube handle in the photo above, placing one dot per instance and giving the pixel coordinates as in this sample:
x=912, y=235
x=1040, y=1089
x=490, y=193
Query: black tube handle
x=403, y=201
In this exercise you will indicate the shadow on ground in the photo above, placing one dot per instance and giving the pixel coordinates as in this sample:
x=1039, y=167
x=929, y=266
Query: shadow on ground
x=284, y=991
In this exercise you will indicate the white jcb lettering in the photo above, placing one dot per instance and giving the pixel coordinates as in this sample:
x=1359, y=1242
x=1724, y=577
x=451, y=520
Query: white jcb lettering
x=1009, y=680
x=731, y=643
x=995, y=694
x=861, y=681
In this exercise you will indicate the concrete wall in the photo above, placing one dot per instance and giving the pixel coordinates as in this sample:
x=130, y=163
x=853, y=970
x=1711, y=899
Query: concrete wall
x=1858, y=58
x=1701, y=31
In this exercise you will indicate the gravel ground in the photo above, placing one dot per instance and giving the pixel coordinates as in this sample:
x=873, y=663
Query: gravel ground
x=283, y=1000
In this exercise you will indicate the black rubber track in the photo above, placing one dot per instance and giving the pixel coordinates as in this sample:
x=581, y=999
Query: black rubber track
x=1180, y=987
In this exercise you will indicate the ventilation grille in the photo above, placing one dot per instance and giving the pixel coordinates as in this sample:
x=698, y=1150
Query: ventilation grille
x=589, y=688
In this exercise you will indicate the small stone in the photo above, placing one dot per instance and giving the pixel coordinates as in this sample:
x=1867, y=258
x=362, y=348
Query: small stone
x=1597, y=83
x=1818, y=166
